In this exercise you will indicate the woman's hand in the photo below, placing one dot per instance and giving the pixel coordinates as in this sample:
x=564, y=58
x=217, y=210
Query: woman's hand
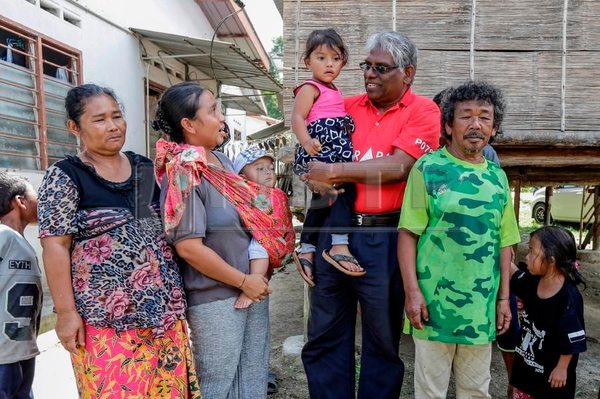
x=256, y=287
x=70, y=330
x=210, y=264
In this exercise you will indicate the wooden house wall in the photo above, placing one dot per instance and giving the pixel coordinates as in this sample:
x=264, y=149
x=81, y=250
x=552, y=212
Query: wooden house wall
x=531, y=84
x=519, y=25
x=583, y=90
x=583, y=31
x=435, y=24
x=517, y=46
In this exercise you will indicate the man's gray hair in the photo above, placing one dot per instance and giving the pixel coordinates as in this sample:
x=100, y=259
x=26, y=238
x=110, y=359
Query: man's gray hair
x=403, y=50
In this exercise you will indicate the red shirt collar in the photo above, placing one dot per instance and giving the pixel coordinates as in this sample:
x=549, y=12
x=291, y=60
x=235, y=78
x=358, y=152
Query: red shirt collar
x=405, y=101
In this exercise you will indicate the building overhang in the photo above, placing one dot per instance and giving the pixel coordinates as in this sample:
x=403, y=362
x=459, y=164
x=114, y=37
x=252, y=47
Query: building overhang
x=246, y=103
x=268, y=132
x=221, y=61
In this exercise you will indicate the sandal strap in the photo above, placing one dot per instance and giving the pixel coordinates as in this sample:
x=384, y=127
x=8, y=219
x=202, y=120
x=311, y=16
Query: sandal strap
x=305, y=262
x=344, y=258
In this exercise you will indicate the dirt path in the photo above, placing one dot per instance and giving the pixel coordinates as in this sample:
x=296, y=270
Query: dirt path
x=287, y=320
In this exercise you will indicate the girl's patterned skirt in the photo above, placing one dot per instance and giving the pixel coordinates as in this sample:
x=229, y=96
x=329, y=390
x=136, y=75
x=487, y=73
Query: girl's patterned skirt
x=334, y=136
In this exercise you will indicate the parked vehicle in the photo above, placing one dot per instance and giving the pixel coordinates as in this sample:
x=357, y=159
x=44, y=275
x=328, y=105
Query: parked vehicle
x=565, y=204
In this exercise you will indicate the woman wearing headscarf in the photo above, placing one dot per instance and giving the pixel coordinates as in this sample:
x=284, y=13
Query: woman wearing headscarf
x=209, y=214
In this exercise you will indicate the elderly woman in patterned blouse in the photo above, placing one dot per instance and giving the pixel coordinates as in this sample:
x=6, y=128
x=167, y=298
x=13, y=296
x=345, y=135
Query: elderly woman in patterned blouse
x=116, y=288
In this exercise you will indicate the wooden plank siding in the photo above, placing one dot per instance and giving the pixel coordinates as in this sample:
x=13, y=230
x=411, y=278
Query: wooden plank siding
x=436, y=24
x=531, y=84
x=583, y=90
x=519, y=25
x=583, y=31
x=518, y=46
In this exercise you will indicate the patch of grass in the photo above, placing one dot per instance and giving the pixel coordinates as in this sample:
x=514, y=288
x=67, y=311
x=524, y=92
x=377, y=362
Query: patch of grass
x=528, y=229
x=572, y=227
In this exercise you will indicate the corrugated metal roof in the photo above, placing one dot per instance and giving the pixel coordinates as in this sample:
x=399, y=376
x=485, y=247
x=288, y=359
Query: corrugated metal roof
x=237, y=29
x=230, y=65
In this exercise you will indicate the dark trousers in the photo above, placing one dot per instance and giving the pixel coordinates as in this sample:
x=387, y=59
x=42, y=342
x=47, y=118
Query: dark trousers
x=339, y=214
x=328, y=356
x=16, y=379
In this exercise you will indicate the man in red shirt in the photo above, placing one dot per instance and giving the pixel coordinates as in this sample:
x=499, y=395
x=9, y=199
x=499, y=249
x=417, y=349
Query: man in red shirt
x=394, y=127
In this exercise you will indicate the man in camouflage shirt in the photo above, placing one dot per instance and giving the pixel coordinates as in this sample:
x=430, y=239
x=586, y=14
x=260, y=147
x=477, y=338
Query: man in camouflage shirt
x=454, y=248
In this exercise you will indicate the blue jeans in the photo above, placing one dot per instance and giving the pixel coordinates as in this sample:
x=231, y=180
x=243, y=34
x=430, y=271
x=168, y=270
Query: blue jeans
x=16, y=379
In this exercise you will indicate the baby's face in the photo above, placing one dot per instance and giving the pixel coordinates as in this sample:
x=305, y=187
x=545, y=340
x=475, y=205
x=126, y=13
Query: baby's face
x=261, y=171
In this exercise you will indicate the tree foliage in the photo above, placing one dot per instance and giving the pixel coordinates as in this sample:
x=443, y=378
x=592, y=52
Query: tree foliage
x=273, y=109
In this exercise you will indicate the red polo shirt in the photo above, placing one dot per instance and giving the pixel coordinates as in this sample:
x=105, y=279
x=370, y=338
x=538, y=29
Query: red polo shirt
x=412, y=125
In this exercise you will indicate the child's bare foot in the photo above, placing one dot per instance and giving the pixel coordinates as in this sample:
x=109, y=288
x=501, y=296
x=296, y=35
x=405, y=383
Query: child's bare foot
x=342, y=259
x=309, y=256
x=242, y=302
x=304, y=265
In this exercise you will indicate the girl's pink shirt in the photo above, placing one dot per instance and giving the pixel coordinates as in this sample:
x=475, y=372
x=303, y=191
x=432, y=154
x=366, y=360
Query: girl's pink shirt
x=329, y=104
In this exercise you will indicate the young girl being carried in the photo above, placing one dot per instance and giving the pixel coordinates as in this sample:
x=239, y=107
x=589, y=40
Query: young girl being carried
x=552, y=325
x=322, y=129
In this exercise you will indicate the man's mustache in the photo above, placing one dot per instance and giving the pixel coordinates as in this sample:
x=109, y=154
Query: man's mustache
x=474, y=134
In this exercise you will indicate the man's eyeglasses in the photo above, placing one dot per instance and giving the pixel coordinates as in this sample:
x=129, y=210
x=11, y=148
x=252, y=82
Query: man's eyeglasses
x=379, y=69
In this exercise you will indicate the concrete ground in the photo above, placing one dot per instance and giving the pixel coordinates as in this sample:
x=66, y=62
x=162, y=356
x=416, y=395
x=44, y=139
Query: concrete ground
x=53, y=373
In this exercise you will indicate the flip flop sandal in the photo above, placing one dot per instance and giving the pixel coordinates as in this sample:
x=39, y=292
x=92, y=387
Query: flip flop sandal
x=301, y=263
x=334, y=260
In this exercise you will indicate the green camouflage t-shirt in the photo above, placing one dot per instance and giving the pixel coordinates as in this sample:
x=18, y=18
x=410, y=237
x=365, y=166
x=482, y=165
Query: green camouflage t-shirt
x=464, y=216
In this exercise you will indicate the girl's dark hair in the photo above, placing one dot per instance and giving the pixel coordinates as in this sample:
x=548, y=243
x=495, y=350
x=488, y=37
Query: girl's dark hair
x=78, y=96
x=10, y=187
x=559, y=243
x=177, y=102
x=325, y=37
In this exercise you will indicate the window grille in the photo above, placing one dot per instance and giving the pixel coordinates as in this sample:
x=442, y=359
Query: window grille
x=35, y=74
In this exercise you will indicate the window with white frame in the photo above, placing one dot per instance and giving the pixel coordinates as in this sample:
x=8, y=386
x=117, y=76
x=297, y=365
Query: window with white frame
x=35, y=74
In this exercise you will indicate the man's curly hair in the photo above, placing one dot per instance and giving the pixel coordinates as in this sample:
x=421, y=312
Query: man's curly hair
x=478, y=91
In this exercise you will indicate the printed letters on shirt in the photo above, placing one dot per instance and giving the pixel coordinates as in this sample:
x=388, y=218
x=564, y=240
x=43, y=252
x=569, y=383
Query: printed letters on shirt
x=19, y=264
x=369, y=155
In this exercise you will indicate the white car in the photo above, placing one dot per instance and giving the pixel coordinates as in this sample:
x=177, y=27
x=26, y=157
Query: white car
x=565, y=204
